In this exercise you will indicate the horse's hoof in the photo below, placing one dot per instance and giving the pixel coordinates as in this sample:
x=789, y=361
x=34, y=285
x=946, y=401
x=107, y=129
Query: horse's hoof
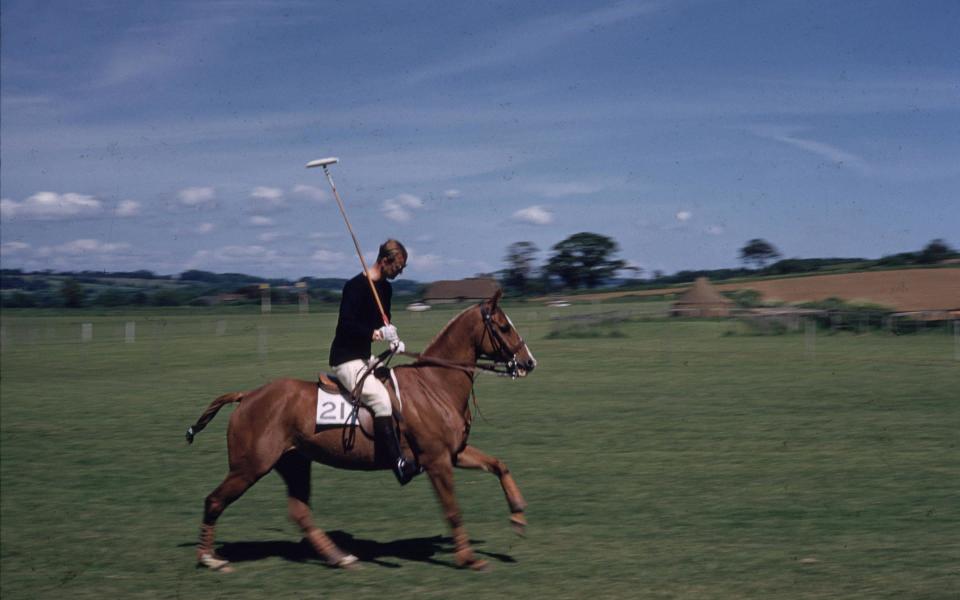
x=466, y=559
x=480, y=565
x=214, y=564
x=347, y=561
x=519, y=524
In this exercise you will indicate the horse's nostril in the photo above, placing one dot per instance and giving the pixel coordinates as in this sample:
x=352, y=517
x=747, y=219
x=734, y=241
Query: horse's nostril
x=531, y=364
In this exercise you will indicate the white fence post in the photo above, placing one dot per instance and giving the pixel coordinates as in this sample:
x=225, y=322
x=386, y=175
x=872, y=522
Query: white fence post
x=264, y=298
x=956, y=339
x=130, y=332
x=303, y=298
x=262, y=342
x=86, y=332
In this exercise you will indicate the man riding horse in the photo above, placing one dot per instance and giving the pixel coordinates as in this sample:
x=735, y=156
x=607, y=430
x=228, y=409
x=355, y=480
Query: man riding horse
x=360, y=323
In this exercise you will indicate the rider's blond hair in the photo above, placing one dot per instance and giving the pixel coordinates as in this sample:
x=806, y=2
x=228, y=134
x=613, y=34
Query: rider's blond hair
x=390, y=252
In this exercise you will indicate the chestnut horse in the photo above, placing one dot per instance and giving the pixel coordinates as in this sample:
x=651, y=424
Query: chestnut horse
x=274, y=427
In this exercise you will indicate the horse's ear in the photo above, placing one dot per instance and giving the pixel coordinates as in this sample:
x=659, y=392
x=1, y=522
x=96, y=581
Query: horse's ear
x=495, y=299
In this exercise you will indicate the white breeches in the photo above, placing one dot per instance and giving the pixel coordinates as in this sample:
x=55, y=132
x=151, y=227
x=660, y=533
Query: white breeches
x=373, y=395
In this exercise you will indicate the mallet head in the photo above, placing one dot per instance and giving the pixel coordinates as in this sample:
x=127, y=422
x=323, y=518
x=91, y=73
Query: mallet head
x=323, y=162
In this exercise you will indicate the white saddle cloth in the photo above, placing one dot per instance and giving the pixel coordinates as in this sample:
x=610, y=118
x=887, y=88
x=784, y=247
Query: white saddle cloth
x=335, y=409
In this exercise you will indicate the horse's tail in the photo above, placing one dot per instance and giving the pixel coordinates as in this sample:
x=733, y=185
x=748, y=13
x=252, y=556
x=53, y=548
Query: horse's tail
x=211, y=412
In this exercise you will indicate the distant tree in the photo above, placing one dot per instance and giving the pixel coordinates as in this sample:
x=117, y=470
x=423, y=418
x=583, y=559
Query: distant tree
x=19, y=299
x=934, y=252
x=519, y=272
x=112, y=297
x=584, y=259
x=636, y=272
x=72, y=293
x=758, y=252
x=197, y=275
x=166, y=297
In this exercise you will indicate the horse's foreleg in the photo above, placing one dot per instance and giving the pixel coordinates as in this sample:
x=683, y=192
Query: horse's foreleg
x=472, y=458
x=233, y=486
x=441, y=476
x=294, y=468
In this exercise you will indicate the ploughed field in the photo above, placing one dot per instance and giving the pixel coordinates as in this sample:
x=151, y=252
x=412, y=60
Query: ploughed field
x=659, y=459
x=899, y=289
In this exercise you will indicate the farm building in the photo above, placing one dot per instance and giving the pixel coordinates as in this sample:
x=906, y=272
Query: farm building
x=460, y=290
x=701, y=300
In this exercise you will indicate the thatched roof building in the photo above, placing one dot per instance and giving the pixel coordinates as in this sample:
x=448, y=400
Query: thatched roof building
x=461, y=290
x=701, y=300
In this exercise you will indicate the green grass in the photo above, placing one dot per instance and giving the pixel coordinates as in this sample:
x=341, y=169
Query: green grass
x=674, y=462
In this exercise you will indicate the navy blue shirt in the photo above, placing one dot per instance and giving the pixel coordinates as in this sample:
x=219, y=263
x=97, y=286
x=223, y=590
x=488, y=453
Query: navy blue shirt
x=359, y=316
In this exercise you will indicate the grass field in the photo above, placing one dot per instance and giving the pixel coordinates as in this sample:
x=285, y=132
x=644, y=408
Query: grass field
x=670, y=460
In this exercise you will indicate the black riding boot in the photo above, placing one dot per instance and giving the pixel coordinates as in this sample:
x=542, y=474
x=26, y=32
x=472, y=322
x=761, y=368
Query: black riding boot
x=388, y=450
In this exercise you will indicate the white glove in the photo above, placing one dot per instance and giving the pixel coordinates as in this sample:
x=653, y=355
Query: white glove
x=389, y=333
x=398, y=347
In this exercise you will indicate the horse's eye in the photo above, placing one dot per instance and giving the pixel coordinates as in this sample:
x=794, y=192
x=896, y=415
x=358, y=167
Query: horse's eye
x=504, y=328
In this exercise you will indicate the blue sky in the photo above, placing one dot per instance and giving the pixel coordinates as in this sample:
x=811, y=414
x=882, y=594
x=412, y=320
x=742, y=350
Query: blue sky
x=173, y=135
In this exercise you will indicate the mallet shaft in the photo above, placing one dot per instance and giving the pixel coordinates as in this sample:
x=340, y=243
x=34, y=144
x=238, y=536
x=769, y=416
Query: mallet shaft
x=324, y=162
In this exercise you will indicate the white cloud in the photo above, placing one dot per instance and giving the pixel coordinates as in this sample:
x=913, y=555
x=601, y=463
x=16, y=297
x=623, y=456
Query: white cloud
x=426, y=262
x=83, y=246
x=684, y=215
x=534, y=37
x=329, y=257
x=12, y=248
x=272, y=236
x=536, y=215
x=261, y=221
x=561, y=189
x=452, y=194
x=311, y=193
x=715, y=230
x=832, y=154
x=400, y=208
x=50, y=205
x=267, y=198
x=204, y=228
x=128, y=208
x=232, y=256
x=197, y=196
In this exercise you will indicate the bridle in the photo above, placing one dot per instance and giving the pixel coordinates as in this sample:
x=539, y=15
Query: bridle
x=501, y=348
x=502, y=356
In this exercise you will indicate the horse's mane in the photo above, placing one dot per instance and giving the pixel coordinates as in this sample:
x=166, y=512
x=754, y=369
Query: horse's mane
x=448, y=326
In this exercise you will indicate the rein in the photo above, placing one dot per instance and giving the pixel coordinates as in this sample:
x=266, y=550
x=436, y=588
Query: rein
x=500, y=348
x=471, y=369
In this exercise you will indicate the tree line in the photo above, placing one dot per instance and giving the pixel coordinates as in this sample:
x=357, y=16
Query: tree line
x=588, y=260
x=76, y=289
x=583, y=260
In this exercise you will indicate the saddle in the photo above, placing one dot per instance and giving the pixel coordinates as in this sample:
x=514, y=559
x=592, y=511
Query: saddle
x=336, y=406
x=329, y=382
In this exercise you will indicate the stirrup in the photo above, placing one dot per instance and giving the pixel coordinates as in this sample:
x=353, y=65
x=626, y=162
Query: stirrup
x=405, y=470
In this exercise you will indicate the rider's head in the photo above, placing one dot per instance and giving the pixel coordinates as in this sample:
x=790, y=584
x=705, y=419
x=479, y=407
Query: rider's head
x=392, y=258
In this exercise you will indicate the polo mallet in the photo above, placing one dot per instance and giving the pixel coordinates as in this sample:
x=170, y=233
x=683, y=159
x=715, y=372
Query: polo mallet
x=326, y=162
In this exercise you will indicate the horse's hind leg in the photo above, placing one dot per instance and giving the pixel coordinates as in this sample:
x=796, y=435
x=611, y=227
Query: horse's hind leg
x=233, y=486
x=472, y=458
x=295, y=470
